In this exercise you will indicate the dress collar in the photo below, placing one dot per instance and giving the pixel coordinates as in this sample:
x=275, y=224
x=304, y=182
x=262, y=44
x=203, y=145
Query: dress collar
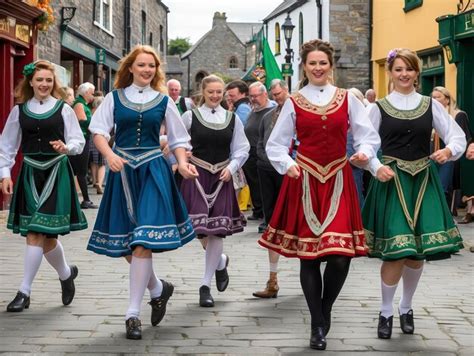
x=41, y=102
x=207, y=109
x=140, y=89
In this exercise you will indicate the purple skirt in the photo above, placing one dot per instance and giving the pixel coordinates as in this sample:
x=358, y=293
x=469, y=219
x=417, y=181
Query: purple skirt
x=212, y=205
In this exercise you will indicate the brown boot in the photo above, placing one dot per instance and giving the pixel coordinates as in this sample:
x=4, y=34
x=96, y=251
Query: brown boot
x=271, y=291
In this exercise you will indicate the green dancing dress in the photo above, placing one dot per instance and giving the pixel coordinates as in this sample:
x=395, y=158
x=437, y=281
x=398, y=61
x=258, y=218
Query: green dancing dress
x=407, y=217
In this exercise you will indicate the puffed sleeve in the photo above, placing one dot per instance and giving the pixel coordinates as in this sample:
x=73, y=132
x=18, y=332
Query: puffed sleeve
x=239, y=147
x=177, y=134
x=102, y=121
x=375, y=118
x=448, y=130
x=187, y=118
x=72, y=131
x=366, y=138
x=10, y=141
x=279, y=142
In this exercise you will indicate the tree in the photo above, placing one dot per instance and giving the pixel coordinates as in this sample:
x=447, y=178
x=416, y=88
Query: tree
x=179, y=45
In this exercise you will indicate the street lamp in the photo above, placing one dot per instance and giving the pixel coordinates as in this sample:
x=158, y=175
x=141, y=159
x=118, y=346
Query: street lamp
x=67, y=13
x=288, y=33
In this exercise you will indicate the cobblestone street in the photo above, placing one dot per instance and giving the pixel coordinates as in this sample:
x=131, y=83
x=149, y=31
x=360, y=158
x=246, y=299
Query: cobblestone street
x=239, y=323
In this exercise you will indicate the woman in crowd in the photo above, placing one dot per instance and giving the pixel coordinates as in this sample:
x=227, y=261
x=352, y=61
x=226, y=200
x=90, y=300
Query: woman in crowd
x=405, y=214
x=317, y=215
x=80, y=163
x=44, y=203
x=220, y=148
x=96, y=159
x=141, y=210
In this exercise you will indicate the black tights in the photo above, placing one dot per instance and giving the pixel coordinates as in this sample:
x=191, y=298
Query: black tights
x=334, y=277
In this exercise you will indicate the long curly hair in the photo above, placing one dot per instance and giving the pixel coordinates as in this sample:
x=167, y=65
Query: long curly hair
x=124, y=77
x=24, y=90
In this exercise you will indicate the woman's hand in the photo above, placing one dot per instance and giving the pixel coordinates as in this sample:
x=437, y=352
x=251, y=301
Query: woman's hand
x=225, y=175
x=7, y=186
x=470, y=151
x=441, y=156
x=59, y=146
x=294, y=171
x=359, y=159
x=385, y=173
x=187, y=170
x=115, y=162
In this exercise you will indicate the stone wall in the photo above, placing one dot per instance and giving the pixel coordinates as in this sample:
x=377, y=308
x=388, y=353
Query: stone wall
x=349, y=27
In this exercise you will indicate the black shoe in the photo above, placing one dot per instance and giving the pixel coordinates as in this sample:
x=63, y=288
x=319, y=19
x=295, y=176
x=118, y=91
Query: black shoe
x=87, y=204
x=318, y=340
x=406, y=322
x=133, y=326
x=222, y=277
x=158, y=305
x=384, y=329
x=68, y=288
x=20, y=302
x=255, y=217
x=205, y=297
x=262, y=227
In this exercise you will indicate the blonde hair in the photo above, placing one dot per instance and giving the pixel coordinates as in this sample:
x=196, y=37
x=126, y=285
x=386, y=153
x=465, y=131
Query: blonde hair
x=124, y=77
x=24, y=91
x=451, y=102
x=208, y=80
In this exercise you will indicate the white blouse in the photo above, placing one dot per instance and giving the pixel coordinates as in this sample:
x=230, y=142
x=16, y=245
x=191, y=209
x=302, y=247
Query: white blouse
x=447, y=128
x=102, y=121
x=10, y=140
x=366, y=139
x=239, y=146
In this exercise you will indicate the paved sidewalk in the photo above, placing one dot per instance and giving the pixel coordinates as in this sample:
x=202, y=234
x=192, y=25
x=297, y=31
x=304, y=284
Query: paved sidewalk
x=239, y=323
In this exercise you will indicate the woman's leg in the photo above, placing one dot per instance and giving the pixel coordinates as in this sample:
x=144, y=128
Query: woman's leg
x=214, y=248
x=391, y=272
x=312, y=285
x=54, y=253
x=411, y=275
x=33, y=258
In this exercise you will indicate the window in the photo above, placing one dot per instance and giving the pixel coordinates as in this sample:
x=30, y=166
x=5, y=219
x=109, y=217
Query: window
x=412, y=4
x=277, y=39
x=162, y=41
x=433, y=72
x=300, y=29
x=143, y=27
x=151, y=39
x=103, y=14
x=233, y=62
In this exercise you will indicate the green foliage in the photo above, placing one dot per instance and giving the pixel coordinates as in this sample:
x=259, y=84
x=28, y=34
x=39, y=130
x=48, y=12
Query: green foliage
x=178, y=45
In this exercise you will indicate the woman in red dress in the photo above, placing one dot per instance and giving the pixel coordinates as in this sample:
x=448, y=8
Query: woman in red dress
x=317, y=215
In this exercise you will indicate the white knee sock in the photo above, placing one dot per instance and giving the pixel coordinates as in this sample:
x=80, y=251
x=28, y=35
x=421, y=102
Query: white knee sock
x=214, y=249
x=222, y=262
x=410, y=278
x=274, y=267
x=57, y=260
x=388, y=292
x=33, y=258
x=154, y=285
x=140, y=271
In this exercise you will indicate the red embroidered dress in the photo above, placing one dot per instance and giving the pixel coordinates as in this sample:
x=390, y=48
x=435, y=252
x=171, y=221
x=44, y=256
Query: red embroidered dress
x=318, y=214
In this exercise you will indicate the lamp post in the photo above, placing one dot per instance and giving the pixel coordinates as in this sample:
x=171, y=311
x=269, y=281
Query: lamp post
x=288, y=33
x=67, y=13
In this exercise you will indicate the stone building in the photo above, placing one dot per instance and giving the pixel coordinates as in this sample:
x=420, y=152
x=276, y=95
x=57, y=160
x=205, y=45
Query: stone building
x=226, y=49
x=345, y=23
x=89, y=37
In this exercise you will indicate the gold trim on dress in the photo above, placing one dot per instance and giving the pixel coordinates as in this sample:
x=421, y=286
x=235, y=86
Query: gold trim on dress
x=212, y=168
x=412, y=114
x=411, y=167
x=321, y=173
x=333, y=105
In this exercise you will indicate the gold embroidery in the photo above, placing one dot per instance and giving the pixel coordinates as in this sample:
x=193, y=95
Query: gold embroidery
x=321, y=173
x=411, y=167
x=413, y=114
x=333, y=105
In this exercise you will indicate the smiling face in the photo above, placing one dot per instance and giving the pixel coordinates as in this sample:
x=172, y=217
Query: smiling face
x=143, y=69
x=42, y=83
x=213, y=94
x=317, y=68
x=403, y=76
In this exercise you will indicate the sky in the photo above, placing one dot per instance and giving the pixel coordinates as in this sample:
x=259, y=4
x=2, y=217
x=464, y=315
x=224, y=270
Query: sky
x=193, y=18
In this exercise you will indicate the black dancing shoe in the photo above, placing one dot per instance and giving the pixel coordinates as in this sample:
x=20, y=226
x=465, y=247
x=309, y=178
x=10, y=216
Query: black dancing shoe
x=20, y=302
x=133, y=326
x=317, y=340
x=205, y=297
x=67, y=286
x=158, y=305
x=406, y=322
x=384, y=329
x=222, y=277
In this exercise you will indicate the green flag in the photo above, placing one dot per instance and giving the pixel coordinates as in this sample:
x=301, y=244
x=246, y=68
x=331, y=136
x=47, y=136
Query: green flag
x=269, y=63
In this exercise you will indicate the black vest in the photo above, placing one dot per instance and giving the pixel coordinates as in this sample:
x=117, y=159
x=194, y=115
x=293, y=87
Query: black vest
x=406, y=134
x=211, y=144
x=38, y=129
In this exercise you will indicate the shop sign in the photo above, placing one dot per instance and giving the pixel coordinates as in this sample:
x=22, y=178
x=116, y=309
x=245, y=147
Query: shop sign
x=14, y=31
x=79, y=46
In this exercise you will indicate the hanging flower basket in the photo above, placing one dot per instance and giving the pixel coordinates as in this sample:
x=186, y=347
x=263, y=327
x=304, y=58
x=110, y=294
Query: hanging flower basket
x=47, y=18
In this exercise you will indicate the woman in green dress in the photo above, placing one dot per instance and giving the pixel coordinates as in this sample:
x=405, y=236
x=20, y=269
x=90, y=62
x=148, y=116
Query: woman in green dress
x=44, y=202
x=406, y=216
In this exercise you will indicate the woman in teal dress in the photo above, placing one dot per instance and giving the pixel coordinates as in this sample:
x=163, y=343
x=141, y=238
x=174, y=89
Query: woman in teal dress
x=406, y=218
x=142, y=210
